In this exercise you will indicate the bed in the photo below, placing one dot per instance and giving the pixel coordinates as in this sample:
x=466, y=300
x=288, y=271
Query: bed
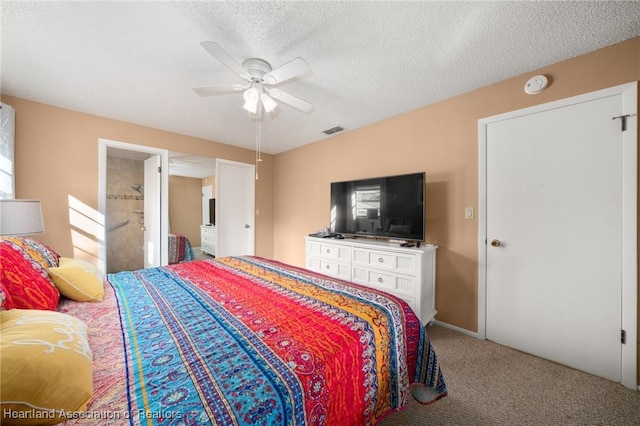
x=179, y=249
x=248, y=340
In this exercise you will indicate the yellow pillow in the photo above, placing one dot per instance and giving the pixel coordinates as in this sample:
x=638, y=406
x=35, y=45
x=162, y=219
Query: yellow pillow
x=78, y=280
x=45, y=366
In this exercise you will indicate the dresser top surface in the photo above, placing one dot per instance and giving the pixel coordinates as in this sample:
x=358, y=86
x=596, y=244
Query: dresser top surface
x=372, y=244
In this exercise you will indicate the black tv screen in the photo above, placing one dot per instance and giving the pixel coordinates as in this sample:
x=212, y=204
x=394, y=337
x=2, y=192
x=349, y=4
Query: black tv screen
x=384, y=207
x=212, y=211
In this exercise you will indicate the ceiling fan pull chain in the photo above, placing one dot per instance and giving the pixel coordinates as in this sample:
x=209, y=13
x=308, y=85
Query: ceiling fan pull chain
x=258, y=139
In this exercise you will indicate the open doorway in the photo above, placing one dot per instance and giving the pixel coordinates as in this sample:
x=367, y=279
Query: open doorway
x=124, y=214
x=213, y=204
x=191, y=191
x=132, y=208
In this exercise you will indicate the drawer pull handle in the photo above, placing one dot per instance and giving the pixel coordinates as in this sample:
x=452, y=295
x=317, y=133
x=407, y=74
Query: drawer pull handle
x=327, y=267
x=328, y=250
x=380, y=280
x=380, y=260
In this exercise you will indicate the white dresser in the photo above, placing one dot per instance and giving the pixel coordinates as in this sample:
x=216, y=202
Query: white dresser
x=208, y=236
x=406, y=272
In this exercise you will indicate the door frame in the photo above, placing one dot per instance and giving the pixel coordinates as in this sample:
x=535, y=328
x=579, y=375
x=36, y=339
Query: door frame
x=629, y=300
x=103, y=144
x=152, y=227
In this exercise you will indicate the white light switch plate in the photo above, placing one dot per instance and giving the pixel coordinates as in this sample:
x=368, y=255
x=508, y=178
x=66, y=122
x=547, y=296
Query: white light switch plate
x=468, y=212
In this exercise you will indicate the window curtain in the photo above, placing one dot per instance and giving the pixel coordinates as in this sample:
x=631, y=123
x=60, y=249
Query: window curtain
x=7, y=144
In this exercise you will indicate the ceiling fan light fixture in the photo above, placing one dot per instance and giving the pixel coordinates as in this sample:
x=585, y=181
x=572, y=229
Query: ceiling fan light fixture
x=259, y=78
x=251, y=107
x=251, y=95
x=251, y=98
x=268, y=103
x=257, y=91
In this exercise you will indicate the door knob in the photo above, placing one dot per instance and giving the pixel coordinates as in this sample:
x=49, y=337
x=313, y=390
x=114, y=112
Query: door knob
x=246, y=226
x=495, y=243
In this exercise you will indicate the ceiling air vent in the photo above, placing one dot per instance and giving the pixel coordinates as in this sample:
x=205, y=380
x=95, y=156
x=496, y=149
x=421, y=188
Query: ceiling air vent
x=333, y=130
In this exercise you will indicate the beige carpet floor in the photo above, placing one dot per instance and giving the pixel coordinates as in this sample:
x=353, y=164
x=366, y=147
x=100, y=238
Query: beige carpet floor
x=199, y=255
x=490, y=384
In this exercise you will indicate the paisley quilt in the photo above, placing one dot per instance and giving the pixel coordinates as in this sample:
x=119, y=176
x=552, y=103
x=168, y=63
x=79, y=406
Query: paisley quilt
x=180, y=249
x=246, y=340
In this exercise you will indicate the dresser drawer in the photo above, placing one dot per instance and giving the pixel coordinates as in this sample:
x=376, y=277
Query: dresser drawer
x=208, y=236
x=396, y=262
x=330, y=251
x=401, y=285
x=328, y=267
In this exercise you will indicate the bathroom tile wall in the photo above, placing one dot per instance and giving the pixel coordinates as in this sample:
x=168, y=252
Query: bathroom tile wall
x=125, y=218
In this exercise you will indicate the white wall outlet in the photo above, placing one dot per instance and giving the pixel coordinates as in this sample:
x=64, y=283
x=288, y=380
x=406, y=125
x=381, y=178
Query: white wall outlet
x=468, y=213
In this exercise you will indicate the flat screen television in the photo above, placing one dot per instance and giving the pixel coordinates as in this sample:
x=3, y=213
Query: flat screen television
x=212, y=211
x=389, y=207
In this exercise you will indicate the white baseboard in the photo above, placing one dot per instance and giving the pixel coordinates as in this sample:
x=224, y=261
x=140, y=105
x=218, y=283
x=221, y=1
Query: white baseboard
x=456, y=328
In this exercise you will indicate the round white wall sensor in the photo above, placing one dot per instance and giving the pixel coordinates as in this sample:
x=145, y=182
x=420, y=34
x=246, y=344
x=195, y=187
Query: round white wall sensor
x=536, y=84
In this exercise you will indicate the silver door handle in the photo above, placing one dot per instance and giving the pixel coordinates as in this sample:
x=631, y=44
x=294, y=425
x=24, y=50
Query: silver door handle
x=246, y=226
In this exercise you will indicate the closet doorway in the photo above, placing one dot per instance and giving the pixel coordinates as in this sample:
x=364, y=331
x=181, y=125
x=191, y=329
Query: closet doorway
x=557, y=232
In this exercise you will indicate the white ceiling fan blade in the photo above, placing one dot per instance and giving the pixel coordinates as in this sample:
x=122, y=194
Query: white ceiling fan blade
x=292, y=69
x=221, y=55
x=218, y=90
x=289, y=99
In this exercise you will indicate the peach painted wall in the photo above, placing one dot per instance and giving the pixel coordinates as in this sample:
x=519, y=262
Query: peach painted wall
x=56, y=161
x=185, y=207
x=210, y=180
x=442, y=140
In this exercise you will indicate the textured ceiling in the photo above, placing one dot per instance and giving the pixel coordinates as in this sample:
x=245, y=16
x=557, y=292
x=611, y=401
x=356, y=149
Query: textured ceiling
x=138, y=61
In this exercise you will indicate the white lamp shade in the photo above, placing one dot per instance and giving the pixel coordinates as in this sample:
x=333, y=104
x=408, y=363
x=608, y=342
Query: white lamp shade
x=251, y=97
x=20, y=217
x=268, y=103
x=251, y=107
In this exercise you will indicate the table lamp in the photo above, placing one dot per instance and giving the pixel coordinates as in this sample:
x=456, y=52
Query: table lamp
x=20, y=217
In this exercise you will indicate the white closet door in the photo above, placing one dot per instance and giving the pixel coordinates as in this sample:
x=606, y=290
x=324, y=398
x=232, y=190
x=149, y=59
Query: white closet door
x=235, y=208
x=554, y=228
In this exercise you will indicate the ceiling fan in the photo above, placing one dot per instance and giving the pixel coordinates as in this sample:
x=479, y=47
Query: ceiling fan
x=261, y=81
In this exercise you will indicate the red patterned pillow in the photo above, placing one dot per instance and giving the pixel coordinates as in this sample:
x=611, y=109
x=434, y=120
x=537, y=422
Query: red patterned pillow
x=24, y=282
x=36, y=250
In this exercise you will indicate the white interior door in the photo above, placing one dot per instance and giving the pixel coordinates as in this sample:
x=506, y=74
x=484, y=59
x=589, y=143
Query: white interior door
x=555, y=233
x=235, y=207
x=152, y=210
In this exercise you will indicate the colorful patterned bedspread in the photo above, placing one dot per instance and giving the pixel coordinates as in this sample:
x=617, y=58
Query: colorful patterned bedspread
x=246, y=340
x=180, y=249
